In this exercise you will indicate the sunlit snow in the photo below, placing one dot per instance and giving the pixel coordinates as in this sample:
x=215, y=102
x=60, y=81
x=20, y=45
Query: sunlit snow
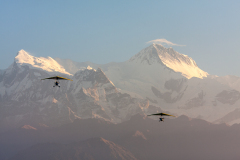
x=47, y=64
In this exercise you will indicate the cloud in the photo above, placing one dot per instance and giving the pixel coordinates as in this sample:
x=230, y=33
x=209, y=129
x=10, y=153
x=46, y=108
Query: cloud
x=164, y=42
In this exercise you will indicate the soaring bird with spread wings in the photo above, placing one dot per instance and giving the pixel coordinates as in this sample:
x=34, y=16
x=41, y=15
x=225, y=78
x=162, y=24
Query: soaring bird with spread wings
x=161, y=114
x=57, y=78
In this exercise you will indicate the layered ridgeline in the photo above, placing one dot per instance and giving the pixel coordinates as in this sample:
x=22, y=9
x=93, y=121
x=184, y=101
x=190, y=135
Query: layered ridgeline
x=152, y=66
x=153, y=55
x=173, y=82
x=155, y=79
x=26, y=99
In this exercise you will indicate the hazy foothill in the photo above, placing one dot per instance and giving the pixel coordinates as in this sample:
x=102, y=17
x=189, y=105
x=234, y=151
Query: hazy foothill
x=138, y=138
x=101, y=114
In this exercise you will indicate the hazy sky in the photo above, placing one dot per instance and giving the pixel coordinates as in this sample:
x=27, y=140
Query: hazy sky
x=106, y=31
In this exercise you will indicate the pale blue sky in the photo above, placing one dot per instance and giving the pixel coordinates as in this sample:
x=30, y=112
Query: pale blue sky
x=106, y=31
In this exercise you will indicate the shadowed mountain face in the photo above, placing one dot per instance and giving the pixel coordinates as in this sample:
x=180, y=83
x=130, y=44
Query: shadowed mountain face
x=91, y=149
x=155, y=79
x=168, y=78
x=145, y=138
x=25, y=99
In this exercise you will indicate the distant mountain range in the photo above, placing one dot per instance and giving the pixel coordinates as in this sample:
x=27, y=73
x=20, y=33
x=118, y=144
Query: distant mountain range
x=156, y=79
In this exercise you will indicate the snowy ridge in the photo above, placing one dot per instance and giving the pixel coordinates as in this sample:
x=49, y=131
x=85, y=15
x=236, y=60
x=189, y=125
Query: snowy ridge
x=167, y=56
x=47, y=64
x=89, y=77
x=154, y=80
x=25, y=98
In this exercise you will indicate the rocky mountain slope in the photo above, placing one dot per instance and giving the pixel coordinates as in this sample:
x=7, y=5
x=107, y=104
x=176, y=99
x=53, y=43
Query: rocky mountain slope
x=175, y=83
x=153, y=80
x=26, y=99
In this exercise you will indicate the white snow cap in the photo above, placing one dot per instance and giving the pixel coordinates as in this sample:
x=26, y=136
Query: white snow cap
x=89, y=68
x=167, y=56
x=47, y=64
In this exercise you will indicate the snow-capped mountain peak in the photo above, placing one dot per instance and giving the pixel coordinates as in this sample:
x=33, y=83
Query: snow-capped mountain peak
x=148, y=55
x=23, y=57
x=47, y=64
x=168, y=57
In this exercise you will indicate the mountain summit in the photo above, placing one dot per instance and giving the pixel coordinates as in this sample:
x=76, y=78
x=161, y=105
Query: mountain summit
x=156, y=53
x=47, y=64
